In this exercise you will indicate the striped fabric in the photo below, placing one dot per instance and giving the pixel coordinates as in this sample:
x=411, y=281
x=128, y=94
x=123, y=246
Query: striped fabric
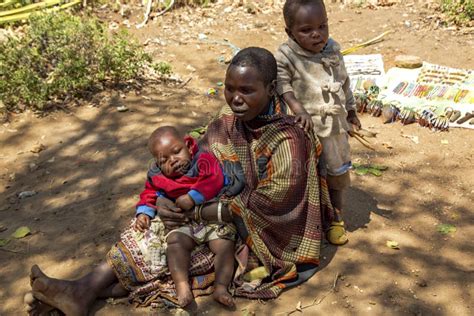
x=279, y=213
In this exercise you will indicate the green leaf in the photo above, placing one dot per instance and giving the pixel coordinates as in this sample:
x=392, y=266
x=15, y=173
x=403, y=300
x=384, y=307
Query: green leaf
x=194, y=134
x=379, y=167
x=361, y=171
x=4, y=242
x=21, y=232
x=392, y=244
x=446, y=228
x=375, y=172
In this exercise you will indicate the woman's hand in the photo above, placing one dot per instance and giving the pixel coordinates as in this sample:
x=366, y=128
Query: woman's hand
x=142, y=223
x=171, y=216
x=305, y=121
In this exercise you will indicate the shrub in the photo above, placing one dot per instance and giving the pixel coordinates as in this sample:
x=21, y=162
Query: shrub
x=60, y=55
x=460, y=12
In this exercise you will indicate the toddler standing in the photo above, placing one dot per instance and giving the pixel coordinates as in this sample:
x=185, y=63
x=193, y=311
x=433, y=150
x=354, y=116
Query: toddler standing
x=314, y=83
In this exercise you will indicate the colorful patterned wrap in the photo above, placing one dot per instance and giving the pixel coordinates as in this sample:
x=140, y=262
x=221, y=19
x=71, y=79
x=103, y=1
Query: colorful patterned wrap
x=280, y=214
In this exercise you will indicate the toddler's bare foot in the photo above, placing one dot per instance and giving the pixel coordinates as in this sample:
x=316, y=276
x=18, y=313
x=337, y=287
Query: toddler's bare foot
x=35, y=307
x=222, y=296
x=185, y=296
x=67, y=296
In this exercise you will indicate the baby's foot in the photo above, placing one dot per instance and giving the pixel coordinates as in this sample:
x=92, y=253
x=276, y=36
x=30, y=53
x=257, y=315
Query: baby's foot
x=222, y=296
x=185, y=296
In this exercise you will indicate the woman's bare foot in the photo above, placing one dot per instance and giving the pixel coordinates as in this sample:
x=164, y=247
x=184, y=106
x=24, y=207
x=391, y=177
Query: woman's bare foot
x=184, y=294
x=35, y=307
x=67, y=296
x=222, y=296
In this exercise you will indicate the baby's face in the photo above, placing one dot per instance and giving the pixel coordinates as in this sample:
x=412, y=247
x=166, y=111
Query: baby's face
x=246, y=93
x=172, y=156
x=310, y=28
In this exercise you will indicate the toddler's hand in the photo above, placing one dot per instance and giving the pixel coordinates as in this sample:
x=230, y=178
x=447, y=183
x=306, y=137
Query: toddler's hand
x=142, y=223
x=305, y=121
x=353, y=119
x=185, y=202
x=334, y=109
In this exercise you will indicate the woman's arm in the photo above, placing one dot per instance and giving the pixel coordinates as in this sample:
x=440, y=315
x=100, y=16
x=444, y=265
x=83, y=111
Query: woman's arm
x=210, y=212
x=171, y=216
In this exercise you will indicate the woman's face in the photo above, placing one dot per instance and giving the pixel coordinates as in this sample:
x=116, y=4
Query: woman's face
x=246, y=93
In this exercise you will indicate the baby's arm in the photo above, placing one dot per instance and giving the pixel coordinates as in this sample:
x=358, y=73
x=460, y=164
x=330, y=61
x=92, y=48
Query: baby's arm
x=185, y=202
x=145, y=210
x=208, y=185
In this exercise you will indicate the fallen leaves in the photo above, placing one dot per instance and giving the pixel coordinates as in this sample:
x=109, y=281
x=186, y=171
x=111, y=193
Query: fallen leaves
x=392, y=244
x=122, y=108
x=26, y=194
x=413, y=138
x=387, y=145
x=298, y=307
x=364, y=169
x=38, y=148
x=4, y=241
x=21, y=232
x=446, y=228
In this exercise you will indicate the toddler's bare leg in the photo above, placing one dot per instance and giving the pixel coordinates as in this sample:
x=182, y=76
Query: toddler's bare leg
x=337, y=198
x=337, y=187
x=224, y=268
x=179, y=257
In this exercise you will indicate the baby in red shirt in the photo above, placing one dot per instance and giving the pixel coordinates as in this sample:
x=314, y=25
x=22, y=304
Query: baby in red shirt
x=186, y=176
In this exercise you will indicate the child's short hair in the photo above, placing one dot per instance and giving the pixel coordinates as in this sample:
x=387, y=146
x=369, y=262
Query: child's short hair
x=291, y=6
x=160, y=132
x=259, y=58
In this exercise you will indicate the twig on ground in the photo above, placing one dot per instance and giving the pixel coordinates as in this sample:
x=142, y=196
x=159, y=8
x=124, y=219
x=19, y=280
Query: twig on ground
x=360, y=138
x=186, y=82
x=12, y=251
x=166, y=9
x=148, y=11
x=315, y=301
x=147, y=14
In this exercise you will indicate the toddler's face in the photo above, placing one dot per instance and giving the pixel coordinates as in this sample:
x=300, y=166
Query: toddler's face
x=310, y=27
x=172, y=156
x=246, y=93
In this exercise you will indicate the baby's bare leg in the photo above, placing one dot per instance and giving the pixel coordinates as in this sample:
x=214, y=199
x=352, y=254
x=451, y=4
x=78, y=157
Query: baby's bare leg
x=224, y=268
x=179, y=257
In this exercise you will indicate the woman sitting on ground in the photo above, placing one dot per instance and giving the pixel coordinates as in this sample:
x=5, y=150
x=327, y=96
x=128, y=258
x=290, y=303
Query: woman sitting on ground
x=276, y=200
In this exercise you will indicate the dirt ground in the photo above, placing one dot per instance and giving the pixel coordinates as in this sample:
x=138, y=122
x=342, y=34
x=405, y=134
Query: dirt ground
x=94, y=165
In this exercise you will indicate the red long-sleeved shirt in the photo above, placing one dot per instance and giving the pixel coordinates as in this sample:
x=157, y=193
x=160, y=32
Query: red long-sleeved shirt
x=203, y=181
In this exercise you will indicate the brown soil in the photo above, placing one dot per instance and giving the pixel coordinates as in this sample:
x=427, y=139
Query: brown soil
x=95, y=160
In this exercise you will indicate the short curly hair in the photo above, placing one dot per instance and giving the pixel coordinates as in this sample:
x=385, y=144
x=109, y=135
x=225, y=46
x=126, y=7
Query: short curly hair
x=259, y=58
x=291, y=6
